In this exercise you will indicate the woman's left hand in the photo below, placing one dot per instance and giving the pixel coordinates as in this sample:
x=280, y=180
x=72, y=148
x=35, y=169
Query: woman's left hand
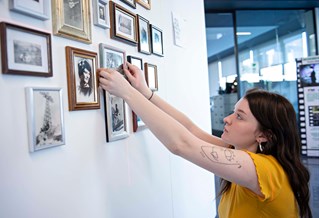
x=113, y=82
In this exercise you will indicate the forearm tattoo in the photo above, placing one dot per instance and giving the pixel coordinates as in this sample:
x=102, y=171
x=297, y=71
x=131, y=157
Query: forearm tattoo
x=227, y=158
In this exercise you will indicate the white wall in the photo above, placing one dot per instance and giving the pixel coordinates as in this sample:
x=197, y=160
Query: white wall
x=87, y=177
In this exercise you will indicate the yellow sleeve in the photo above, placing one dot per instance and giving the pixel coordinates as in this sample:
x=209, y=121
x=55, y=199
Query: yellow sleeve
x=270, y=175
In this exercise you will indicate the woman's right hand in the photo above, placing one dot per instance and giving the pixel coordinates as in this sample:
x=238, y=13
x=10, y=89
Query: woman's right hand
x=137, y=79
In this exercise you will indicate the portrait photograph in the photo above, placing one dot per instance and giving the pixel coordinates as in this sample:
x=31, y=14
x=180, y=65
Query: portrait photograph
x=45, y=118
x=157, y=41
x=71, y=19
x=123, y=24
x=34, y=8
x=101, y=13
x=83, y=83
x=25, y=51
x=144, y=44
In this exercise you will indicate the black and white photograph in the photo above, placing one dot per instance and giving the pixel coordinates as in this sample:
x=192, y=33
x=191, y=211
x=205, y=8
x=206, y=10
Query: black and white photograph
x=73, y=13
x=25, y=51
x=45, y=118
x=144, y=43
x=123, y=24
x=101, y=16
x=34, y=8
x=111, y=57
x=84, y=79
x=157, y=41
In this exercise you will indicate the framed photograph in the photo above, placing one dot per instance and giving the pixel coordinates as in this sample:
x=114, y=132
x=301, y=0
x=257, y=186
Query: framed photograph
x=82, y=79
x=145, y=3
x=101, y=15
x=131, y=3
x=123, y=24
x=34, y=8
x=144, y=33
x=72, y=19
x=138, y=124
x=45, y=118
x=151, y=76
x=157, y=41
x=25, y=51
x=135, y=61
x=115, y=109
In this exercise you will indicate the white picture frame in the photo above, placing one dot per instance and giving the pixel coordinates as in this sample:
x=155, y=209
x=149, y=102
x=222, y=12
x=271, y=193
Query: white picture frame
x=38, y=9
x=45, y=118
x=101, y=15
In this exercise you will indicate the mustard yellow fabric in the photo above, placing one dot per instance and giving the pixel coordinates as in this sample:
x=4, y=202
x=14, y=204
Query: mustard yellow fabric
x=278, y=200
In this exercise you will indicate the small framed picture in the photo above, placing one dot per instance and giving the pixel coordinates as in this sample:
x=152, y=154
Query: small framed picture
x=83, y=83
x=101, y=13
x=151, y=76
x=71, y=19
x=145, y=3
x=45, y=118
x=144, y=33
x=138, y=124
x=131, y=3
x=34, y=8
x=25, y=51
x=111, y=57
x=157, y=41
x=135, y=61
x=123, y=24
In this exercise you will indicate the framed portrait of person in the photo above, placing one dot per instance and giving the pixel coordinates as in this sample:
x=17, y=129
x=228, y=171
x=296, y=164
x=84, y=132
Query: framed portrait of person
x=101, y=15
x=44, y=117
x=123, y=24
x=144, y=33
x=151, y=76
x=72, y=19
x=157, y=41
x=145, y=3
x=34, y=8
x=115, y=107
x=25, y=51
x=82, y=79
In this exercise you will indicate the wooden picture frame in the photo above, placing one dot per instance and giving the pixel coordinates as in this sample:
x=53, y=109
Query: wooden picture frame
x=115, y=107
x=157, y=40
x=72, y=19
x=25, y=51
x=130, y=3
x=151, y=76
x=145, y=3
x=45, y=118
x=123, y=24
x=83, y=84
x=144, y=35
x=37, y=9
x=101, y=15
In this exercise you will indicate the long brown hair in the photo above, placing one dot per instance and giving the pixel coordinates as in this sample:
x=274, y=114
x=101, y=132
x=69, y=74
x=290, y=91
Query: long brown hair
x=277, y=119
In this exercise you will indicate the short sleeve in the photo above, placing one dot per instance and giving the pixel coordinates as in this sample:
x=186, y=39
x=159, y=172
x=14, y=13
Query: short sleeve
x=270, y=175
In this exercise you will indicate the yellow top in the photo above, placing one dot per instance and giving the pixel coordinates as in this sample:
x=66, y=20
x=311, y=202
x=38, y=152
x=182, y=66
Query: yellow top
x=278, y=201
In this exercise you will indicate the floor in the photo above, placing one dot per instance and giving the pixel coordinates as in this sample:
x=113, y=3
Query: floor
x=313, y=166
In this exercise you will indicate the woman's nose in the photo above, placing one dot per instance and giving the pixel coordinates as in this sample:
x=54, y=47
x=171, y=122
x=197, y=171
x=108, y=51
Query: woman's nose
x=227, y=120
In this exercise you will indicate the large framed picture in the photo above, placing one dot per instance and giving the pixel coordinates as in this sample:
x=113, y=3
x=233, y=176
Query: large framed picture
x=34, y=8
x=123, y=24
x=145, y=3
x=151, y=76
x=82, y=79
x=115, y=107
x=72, y=19
x=157, y=40
x=144, y=33
x=25, y=51
x=45, y=118
x=101, y=15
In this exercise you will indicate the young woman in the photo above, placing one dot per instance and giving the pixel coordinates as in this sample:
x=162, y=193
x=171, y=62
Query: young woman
x=257, y=156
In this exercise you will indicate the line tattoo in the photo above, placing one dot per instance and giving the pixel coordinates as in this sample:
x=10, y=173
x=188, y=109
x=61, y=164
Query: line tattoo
x=212, y=155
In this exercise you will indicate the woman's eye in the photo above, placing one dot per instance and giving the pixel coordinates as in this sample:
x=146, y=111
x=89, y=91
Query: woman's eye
x=238, y=116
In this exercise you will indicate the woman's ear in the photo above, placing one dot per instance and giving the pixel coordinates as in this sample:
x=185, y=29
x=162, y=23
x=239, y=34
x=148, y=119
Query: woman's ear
x=262, y=138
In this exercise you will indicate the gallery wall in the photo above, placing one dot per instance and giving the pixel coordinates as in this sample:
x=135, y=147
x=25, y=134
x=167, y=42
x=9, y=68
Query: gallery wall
x=88, y=177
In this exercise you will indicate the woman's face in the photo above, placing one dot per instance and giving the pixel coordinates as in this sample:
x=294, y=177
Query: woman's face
x=241, y=127
x=86, y=77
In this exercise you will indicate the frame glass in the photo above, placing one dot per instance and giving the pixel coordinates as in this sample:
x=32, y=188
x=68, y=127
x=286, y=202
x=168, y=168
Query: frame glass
x=82, y=79
x=25, y=51
x=144, y=33
x=123, y=24
x=157, y=41
x=151, y=76
x=115, y=107
x=101, y=15
x=145, y=3
x=33, y=8
x=45, y=118
x=71, y=19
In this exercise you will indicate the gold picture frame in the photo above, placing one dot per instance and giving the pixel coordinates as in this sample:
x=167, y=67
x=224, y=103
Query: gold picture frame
x=72, y=19
x=145, y=3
